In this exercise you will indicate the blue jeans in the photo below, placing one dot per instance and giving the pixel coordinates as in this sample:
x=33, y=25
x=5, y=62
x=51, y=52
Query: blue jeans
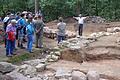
x=60, y=38
x=30, y=42
x=10, y=47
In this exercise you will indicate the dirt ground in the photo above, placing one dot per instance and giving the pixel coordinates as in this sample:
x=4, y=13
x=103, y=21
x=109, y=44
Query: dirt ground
x=108, y=51
x=88, y=27
x=110, y=67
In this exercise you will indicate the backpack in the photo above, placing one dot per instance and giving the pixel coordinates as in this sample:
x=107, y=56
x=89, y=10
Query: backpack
x=11, y=36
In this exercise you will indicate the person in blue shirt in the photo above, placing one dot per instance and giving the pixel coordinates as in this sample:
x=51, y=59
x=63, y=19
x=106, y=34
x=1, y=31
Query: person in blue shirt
x=21, y=25
x=17, y=16
x=30, y=34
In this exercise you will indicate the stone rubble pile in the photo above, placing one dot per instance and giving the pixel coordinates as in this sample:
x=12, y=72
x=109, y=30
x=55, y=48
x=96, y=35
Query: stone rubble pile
x=52, y=33
x=113, y=29
x=53, y=56
x=41, y=72
x=77, y=43
x=96, y=19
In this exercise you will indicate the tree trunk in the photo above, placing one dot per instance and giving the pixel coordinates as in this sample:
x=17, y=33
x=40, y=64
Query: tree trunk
x=96, y=8
x=36, y=6
x=78, y=7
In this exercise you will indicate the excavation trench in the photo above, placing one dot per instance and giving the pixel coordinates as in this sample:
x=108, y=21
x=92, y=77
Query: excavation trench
x=104, y=59
x=92, y=53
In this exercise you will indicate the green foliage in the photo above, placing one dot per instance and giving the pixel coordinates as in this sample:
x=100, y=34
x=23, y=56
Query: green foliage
x=20, y=58
x=17, y=59
x=52, y=9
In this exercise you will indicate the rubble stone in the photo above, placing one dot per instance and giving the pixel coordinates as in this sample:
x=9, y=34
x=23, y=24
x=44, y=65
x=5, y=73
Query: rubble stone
x=77, y=75
x=6, y=67
x=40, y=67
x=93, y=75
x=27, y=70
x=61, y=73
x=57, y=53
x=17, y=76
x=54, y=57
x=33, y=62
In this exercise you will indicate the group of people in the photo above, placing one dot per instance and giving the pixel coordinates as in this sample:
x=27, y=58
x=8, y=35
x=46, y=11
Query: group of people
x=26, y=27
x=21, y=28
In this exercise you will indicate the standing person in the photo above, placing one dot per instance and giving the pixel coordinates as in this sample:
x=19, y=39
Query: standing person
x=80, y=22
x=20, y=28
x=39, y=24
x=11, y=33
x=6, y=21
x=17, y=25
x=17, y=16
x=30, y=34
x=61, y=26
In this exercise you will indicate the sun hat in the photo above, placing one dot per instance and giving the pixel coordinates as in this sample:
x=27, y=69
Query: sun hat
x=13, y=21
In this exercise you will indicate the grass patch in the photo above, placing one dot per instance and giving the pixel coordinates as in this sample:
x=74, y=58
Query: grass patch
x=38, y=54
x=19, y=58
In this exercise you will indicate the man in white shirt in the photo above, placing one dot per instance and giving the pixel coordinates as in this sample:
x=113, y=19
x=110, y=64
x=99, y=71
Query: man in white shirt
x=80, y=22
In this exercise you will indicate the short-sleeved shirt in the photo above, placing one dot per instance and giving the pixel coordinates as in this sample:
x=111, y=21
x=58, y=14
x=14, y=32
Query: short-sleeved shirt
x=80, y=20
x=20, y=24
x=39, y=24
x=11, y=29
x=61, y=29
x=30, y=29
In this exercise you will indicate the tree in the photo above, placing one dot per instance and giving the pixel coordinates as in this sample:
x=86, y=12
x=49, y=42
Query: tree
x=52, y=9
x=36, y=6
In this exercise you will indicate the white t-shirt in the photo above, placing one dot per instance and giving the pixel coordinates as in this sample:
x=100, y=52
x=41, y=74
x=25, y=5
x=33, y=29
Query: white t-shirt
x=80, y=19
x=6, y=19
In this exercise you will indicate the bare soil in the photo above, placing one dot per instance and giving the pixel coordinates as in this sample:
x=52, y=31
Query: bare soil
x=102, y=55
x=107, y=64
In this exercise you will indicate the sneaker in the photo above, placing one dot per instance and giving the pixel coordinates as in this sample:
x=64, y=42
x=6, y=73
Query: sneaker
x=14, y=54
x=36, y=47
x=9, y=55
x=31, y=52
x=41, y=47
x=22, y=47
x=78, y=36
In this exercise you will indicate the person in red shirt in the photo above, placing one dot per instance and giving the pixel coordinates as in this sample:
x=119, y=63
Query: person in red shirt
x=11, y=33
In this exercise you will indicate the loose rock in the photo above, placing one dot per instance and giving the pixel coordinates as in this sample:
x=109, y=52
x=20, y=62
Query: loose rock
x=93, y=75
x=6, y=67
x=77, y=75
x=61, y=73
x=32, y=62
x=27, y=70
x=40, y=67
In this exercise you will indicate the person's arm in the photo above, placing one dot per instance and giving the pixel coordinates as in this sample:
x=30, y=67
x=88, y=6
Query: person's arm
x=77, y=18
x=84, y=18
x=7, y=29
x=40, y=27
x=58, y=26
